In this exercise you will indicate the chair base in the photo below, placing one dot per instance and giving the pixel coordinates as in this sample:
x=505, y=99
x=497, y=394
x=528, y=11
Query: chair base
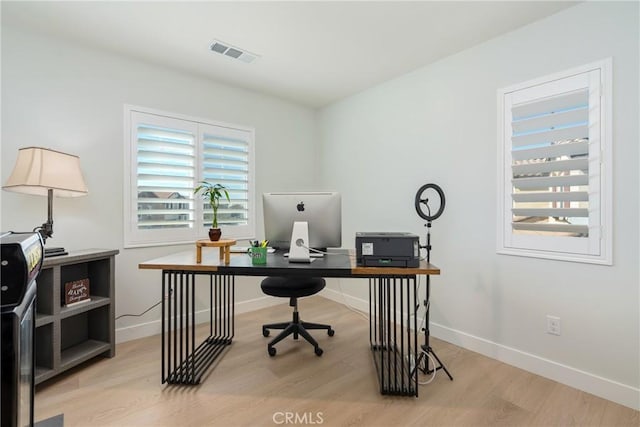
x=295, y=328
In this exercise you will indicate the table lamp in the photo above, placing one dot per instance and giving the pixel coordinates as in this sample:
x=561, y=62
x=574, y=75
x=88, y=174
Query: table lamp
x=46, y=172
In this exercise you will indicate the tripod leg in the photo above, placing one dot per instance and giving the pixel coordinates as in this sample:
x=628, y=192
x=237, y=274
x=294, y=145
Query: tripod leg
x=435, y=368
x=426, y=348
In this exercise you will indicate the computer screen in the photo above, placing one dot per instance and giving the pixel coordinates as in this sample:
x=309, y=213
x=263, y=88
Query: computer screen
x=321, y=210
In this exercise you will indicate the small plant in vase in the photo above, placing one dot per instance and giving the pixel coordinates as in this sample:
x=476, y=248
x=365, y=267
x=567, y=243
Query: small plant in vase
x=213, y=193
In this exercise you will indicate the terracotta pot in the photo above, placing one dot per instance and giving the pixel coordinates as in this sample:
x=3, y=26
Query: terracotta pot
x=214, y=234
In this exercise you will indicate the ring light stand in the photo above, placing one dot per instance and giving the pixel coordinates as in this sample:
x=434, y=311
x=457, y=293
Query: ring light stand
x=420, y=202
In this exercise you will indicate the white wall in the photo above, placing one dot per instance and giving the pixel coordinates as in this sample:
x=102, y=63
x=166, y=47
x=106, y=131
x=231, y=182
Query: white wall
x=63, y=96
x=438, y=124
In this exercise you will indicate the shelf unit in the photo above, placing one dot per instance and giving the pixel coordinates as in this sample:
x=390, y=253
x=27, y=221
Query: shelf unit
x=68, y=336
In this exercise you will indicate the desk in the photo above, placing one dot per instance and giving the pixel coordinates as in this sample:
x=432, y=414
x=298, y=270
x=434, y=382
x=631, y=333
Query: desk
x=393, y=329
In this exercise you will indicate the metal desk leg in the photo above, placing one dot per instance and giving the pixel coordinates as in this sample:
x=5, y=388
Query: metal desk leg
x=393, y=333
x=184, y=361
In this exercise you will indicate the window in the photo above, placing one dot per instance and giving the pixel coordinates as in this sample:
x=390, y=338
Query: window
x=167, y=155
x=555, y=166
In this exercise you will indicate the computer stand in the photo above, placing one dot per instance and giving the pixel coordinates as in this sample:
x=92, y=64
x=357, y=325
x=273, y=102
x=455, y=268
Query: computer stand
x=299, y=246
x=426, y=347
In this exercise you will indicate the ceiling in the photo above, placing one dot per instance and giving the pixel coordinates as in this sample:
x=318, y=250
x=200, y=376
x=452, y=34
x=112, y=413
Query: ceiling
x=312, y=53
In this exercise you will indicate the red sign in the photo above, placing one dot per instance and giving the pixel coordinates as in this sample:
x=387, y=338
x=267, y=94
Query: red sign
x=76, y=292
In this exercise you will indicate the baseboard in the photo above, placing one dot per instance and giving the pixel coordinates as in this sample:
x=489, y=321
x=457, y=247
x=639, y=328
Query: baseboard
x=602, y=387
x=348, y=300
x=148, y=329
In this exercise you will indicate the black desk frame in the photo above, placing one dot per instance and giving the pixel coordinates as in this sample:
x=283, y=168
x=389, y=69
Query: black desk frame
x=393, y=329
x=182, y=361
x=393, y=335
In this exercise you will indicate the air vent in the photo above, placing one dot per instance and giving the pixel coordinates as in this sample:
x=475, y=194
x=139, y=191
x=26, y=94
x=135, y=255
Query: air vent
x=232, y=52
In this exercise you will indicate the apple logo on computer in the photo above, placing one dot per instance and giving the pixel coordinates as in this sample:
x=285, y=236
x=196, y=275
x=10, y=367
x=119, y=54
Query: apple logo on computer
x=300, y=207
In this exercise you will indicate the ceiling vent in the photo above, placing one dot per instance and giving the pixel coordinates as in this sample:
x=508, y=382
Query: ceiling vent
x=232, y=52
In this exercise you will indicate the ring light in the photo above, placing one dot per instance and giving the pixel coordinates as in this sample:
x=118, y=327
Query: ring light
x=427, y=352
x=420, y=201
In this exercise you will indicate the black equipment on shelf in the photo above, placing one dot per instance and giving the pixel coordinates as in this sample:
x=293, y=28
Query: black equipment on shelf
x=21, y=260
x=422, y=202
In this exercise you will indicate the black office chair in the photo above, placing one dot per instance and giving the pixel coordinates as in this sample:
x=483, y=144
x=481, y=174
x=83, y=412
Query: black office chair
x=293, y=288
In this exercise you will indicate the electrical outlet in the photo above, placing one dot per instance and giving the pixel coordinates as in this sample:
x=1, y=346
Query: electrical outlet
x=553, y=325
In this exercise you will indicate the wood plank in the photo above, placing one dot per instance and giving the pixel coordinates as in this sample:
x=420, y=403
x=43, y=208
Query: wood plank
x=79, y=256
x=182, y=261
x=423, y=269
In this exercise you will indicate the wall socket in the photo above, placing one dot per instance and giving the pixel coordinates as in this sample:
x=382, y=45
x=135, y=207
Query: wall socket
x=553, y=325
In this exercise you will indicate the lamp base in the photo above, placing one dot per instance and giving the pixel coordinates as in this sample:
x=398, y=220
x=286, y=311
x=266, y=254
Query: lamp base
x=51, y=252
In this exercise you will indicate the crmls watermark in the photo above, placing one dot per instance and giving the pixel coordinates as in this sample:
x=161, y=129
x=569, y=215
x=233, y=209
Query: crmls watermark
x=308, y=418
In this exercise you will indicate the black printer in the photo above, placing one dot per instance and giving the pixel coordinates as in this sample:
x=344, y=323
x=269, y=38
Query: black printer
x=387, y=249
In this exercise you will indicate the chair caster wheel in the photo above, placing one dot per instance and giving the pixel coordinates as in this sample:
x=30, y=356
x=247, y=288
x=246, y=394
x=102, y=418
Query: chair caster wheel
x=265, y=332
x=331, y=332
x=318, y=351
x=272, y=351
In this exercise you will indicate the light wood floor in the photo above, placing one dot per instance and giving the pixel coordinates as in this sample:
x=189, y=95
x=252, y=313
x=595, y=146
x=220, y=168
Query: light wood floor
x=249, y=388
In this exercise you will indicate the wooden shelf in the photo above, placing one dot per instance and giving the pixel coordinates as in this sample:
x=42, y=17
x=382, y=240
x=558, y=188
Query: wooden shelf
x=84, y=351
x=83, y=307
x=43, y=319
x=68, y=336
x=43, y=374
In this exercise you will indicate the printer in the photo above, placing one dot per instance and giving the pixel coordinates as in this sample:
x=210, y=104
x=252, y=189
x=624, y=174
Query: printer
x=387, y=249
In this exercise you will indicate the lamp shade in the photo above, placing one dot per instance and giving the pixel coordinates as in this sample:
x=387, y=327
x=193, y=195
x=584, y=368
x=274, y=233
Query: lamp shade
x=38, y=170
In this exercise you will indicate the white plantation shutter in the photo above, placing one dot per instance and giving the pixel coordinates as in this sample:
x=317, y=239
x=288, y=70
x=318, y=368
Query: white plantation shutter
x=555, y=176
x=550, y=164
x=168, y=157
x=165, y=177
x=226, y=160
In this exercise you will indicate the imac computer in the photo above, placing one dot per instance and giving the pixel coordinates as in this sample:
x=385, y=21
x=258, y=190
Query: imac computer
x=317, y=213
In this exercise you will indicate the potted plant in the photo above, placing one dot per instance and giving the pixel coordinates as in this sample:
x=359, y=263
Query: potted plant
x=213, y=193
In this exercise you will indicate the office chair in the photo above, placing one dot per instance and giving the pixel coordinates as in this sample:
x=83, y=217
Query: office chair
x=293, y=288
